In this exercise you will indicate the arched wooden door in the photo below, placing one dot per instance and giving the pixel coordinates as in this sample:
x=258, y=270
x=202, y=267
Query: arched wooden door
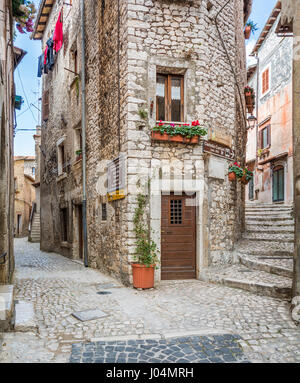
x=178, y=237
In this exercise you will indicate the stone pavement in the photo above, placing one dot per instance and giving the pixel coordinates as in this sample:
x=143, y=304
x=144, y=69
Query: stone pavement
x=57, y=287
x=193, y=349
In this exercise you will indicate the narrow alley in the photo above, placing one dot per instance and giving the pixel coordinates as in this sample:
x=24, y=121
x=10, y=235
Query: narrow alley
x=157, y=322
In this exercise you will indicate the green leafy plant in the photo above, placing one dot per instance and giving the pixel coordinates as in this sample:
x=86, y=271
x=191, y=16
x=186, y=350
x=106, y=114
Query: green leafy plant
x=146, y=249
x=185, y=130
x=78, y=152
x=252, y=25
x=248, y=174
x=143, y=113
x=237, y=169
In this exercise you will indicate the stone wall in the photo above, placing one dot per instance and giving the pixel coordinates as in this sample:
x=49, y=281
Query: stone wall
x=6, y=142
x=125, y=49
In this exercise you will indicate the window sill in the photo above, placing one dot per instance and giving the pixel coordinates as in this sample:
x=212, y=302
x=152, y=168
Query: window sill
x=61, y=177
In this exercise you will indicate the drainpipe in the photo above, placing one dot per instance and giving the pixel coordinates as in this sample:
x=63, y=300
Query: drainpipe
x=83, y=131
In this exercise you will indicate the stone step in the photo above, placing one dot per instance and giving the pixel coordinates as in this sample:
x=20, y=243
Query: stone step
x=268, y=205
x=25, y=317
x=281, y=210
x=282, y=266
x=268, y=215
x=254, y=281
x=7, y=307
x=259, y=218
x=271, y=229
x=264, y=248
x=287, y=238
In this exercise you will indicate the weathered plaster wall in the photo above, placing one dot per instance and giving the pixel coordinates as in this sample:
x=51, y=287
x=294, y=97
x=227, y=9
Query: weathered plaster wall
x=275, y=54
x=24, y=195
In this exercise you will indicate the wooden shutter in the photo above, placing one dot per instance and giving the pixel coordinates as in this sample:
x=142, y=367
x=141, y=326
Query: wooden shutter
x=269, y=135
x=46, y=105
x=265, y=81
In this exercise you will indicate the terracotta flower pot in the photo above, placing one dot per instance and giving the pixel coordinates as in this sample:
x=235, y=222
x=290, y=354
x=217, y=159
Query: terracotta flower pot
x=247, y=32
x=157, y=136
x=232, y=176
x=143, y=276
x=250, y=108
x=244, y=181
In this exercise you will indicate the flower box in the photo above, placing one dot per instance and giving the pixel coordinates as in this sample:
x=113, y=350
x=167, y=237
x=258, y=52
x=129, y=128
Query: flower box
x=157, y=136
x=232, y=176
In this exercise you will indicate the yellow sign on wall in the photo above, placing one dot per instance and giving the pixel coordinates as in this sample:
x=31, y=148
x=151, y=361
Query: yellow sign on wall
x=118, y=194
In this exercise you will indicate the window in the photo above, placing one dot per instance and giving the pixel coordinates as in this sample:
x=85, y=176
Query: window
x=64, y=224
x=278, y=184
x=78, y=139
x=176, y=212
x=265, y=137
x=104, y=212
x=251, y=189
x=75, y=58
x=62, y=163
x=170, y=98
x=45, y=101
x=33, y=171
x=266, y=81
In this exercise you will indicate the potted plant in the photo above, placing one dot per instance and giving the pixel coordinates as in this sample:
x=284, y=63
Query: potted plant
x=146, y=257
x=250, y=27
x=184, y=133
x=78, y=154
x=247, y=176
x=235, y=172
x=250, y=98
x=24, y=12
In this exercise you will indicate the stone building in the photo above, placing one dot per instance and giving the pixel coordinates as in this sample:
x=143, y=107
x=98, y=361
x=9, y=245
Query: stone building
x=24, y=176
x=146, y=60
x=34, y=234
x=270, y=144
x=9, y=59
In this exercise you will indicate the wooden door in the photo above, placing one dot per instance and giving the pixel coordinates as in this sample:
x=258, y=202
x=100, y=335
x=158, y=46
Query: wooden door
x=178, y=237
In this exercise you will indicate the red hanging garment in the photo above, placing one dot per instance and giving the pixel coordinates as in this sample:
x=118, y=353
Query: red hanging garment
x=58, y=36
x=45, y=55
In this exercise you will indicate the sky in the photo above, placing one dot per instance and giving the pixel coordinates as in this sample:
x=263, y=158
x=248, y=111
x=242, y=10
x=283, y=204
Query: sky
x=27, y=82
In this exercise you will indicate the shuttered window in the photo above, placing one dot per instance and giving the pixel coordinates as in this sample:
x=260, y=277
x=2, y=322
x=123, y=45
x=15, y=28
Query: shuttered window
x=265, y=81
x=46, y=105
x=265, y=137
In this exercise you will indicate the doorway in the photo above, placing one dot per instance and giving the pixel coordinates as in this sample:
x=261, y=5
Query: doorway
x=80, y=232
x=278, y=184
x=178, y=237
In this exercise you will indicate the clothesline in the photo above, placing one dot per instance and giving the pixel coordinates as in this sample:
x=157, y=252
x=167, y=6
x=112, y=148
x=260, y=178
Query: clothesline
x=47, y=60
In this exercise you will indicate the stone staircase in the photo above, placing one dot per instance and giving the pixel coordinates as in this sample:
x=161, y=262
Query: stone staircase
x=35, y=232
x=264, y=256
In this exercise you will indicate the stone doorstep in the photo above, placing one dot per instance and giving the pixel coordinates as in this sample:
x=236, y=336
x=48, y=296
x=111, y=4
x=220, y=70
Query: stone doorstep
x=25, y=317
x=262, y=266
x=163, y=336
x=260, y=288
x=7, y=307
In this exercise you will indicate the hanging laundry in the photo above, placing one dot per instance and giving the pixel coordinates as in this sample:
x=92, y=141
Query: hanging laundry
x=49, y=55
x=58, y=36
x=45, y=60
x=40, y=65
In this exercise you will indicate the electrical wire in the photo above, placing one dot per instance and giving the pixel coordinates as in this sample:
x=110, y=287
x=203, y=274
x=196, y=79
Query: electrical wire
x=230, y=63
x=29, y=107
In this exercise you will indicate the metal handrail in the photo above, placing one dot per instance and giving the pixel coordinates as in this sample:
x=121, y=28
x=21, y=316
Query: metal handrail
x=4, y=257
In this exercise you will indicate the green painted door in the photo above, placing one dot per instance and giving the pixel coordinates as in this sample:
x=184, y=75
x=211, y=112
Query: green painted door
x=278, y=184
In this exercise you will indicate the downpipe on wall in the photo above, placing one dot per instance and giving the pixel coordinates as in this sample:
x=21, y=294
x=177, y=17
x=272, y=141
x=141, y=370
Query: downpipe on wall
x=83, y=130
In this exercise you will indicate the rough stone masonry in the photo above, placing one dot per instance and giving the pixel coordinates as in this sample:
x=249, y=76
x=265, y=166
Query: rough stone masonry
x=126, y=48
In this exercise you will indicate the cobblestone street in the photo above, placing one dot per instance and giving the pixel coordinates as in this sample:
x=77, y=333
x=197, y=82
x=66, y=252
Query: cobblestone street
x=203, y=314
